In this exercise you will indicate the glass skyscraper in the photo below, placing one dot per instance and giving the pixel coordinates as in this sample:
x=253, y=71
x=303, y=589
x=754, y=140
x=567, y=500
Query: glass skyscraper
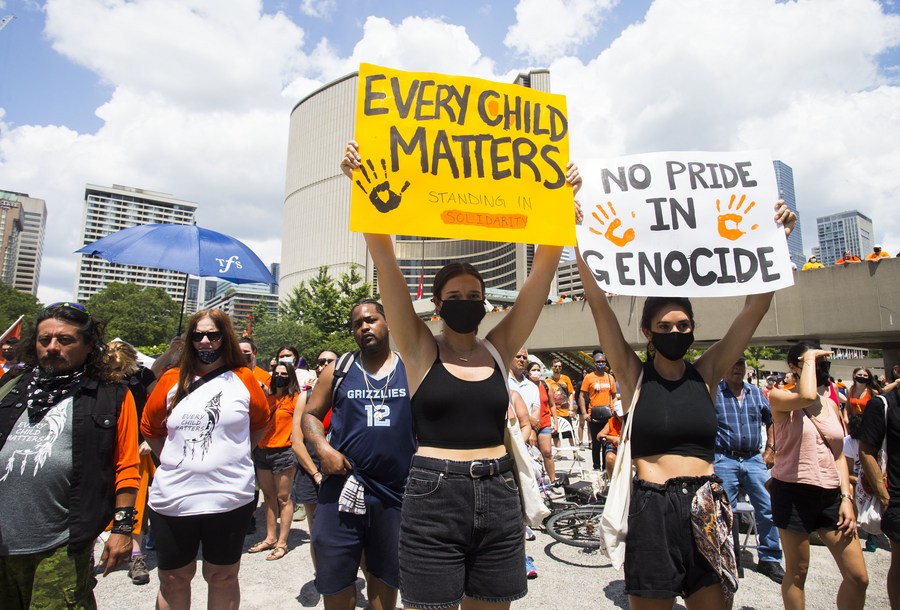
x=784, y=178
x=844, y=231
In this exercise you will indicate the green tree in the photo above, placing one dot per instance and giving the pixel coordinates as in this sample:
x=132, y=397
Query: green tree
x=141, y=316
x=14, y=304
x=755, y=354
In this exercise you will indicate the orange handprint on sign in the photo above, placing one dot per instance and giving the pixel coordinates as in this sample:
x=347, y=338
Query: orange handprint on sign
x=734, y=215
x=614, y=224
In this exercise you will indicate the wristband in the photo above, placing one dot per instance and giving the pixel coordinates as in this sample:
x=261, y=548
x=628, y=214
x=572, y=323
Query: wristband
x=123, y=520
x=847, y=496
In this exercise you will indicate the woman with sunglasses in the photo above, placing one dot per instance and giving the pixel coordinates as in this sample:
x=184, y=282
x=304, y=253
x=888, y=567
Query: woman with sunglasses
x=202, y=420
x=276, y=464
x=459, y=405
x=810, y=487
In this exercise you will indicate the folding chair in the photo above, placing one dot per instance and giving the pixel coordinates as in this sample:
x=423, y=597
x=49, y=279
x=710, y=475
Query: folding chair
x=566, y=431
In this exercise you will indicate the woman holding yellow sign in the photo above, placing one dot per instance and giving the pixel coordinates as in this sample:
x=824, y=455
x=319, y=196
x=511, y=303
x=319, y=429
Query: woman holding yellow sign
x=461, y=531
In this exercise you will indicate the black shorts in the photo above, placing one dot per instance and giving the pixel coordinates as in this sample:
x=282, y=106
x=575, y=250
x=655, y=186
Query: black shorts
x=890, y=521
x=276, y=459
x=461, y=536
x=305, y=490
x=798, y=507
x=179, y=538
x=661, y=558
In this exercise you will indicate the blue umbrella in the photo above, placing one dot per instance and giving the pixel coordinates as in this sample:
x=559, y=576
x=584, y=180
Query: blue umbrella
x=185, y=248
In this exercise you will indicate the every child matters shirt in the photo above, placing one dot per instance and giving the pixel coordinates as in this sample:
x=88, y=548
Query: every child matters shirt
x=205, y=465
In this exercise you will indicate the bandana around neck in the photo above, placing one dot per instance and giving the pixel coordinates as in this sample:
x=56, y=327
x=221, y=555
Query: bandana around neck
x=44, y=391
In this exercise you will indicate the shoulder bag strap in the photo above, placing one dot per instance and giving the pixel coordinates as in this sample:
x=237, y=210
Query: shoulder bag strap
x=210, y=375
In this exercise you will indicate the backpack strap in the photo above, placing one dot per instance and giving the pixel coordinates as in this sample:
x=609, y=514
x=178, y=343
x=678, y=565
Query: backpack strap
x=341, y=368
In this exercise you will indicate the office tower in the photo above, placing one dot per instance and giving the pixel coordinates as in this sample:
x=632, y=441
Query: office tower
x=844, y=231
x=10, y=229
x=239, y=301
x=110, y=209
x=317, y=206
x=784, y=178
x=27, y=273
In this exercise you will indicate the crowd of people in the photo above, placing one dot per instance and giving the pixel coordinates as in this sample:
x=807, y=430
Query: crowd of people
x=848, y=258
x=399, y=459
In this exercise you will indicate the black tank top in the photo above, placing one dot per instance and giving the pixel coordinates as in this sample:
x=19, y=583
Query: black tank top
x=674, y=417
x=452, y=413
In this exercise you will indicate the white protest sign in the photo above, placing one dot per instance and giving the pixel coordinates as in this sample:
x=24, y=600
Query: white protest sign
x=683, y=224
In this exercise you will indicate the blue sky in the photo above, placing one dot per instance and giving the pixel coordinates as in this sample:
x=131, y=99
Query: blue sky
x=138, y=92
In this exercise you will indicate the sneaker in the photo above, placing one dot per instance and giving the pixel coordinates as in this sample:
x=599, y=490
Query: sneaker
x=772, y=570
x=137, y=570
x=299, y=512
x=530, y=570
x=871, y=547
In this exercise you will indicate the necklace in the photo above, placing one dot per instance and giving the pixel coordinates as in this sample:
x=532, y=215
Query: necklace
x=378, y=410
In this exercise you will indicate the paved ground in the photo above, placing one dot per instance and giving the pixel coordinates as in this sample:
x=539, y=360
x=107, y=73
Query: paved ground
x=569, y=579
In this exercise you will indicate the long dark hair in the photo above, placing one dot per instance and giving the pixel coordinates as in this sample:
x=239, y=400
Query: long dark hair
x=293, y=386
x=189, y=364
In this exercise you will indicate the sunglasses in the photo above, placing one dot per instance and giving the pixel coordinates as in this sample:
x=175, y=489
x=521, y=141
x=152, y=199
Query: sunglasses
x=67, y=305
x=324, y=361
x=212, y=335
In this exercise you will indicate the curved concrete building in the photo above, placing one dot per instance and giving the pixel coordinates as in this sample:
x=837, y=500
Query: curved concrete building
x=317, y=205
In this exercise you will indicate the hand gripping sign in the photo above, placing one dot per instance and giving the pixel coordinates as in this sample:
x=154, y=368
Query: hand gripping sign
x=683, y=224
x=460, y=157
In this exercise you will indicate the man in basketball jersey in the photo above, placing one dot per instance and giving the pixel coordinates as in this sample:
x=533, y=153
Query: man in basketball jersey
x=365, y=462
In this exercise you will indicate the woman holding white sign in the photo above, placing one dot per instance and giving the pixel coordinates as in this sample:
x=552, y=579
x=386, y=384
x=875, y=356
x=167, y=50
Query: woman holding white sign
x=678, y=540
x=461, y=530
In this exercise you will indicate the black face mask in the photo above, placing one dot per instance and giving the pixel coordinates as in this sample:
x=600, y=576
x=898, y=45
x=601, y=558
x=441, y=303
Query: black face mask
x=672, y=345
x=863, y=380
x=823, y=368
x=462, y=316
x=9, y=354
x=248, y=358
x=281, y=382
x=209, y=356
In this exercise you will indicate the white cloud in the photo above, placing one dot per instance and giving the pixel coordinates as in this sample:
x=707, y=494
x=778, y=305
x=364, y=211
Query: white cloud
x=547, y=29
x=318, y=8
x=202, y=92
x=800, y=79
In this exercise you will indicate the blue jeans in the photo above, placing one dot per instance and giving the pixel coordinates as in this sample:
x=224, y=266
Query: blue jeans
x=751, y=474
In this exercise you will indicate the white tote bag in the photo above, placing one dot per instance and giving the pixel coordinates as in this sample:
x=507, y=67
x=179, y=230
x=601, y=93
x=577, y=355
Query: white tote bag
x=614, y=522
x=868, y=504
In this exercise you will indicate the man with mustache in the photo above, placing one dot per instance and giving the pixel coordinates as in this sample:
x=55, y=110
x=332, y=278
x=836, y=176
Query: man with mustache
x=68, y=465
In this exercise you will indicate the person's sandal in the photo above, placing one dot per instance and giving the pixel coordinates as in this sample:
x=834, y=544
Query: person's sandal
x=262, y=545
x=277, y=553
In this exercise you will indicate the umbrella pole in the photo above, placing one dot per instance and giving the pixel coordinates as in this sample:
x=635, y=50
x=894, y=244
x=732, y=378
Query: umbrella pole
x=183, y=300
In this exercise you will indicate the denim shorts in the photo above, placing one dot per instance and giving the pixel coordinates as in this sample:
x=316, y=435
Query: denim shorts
x=339, y=540
x=276, y=459
x=804, y=508
x=661, y=558
x=461, y=535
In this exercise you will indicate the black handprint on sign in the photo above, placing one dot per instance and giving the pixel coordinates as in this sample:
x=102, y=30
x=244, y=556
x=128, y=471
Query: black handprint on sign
x=381, y=195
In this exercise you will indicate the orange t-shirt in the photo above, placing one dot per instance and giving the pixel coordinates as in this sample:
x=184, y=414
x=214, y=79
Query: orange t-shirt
x=561, y=390
x=263, y=376
x=281, y=424
x=615, y=426
x=126, y=454
x=600, y=388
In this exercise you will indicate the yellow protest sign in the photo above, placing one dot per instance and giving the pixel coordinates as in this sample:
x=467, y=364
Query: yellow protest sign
x=460, y=157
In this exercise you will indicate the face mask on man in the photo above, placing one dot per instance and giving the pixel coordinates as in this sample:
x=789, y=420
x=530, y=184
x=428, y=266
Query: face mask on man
x=462, y=316
x=673, y=345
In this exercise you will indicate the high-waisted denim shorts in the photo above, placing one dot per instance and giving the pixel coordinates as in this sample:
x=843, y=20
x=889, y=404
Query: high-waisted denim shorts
x=461, y=533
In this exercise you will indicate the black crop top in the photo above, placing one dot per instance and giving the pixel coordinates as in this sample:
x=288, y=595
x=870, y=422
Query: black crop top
x=452, y=413
x=674, y=417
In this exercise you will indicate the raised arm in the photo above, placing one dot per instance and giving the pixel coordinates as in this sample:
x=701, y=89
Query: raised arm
x=620, y=355
x=717, y=359
x=513, y=330
x=412, y=336
x=784, y=401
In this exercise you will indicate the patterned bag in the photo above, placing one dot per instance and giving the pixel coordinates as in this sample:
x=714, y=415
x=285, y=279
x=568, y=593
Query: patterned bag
x=711, y=523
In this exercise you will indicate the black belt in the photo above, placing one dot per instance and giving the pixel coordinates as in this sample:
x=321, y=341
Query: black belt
x=477, y=469
x=738, y=454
